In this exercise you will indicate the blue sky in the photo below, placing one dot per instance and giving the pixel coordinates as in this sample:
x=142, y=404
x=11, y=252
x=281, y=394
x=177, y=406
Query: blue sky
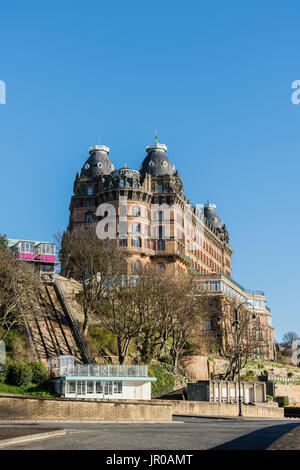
x=213, y=77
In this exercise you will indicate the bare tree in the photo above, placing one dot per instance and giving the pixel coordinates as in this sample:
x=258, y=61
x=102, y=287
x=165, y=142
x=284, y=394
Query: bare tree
x=251, y=341
x=289, y=337
x=18, y=286
x=97, y=264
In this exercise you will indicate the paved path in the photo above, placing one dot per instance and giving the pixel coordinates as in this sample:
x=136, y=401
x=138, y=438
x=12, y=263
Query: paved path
x=193, y=434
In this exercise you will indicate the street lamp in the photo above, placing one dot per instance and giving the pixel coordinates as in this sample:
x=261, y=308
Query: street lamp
x=236, y=324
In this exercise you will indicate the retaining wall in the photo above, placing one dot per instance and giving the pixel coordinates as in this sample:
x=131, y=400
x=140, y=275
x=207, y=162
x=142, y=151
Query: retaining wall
x=201, y=408
x=39, y=408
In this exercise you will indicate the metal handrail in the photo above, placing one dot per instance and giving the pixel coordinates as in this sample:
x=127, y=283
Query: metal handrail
x=80, y=342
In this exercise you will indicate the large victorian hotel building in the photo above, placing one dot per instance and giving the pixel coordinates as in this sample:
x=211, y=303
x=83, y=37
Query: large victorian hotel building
x=157, y=224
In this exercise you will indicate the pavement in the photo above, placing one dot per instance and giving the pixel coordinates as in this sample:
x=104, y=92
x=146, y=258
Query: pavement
x=17, y=433
x=289, y=441
x=189, y=433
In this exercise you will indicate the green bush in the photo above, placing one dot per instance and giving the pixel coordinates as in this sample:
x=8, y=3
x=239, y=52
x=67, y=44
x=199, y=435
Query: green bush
x=165, y=381
x=18, y=373
x=282, y=401
x=269, y=398
x=39, y=372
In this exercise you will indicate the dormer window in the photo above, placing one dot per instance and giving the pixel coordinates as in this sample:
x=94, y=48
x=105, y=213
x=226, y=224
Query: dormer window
x=90, y=190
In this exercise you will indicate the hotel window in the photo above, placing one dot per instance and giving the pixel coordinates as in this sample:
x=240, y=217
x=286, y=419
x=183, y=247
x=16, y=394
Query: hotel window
x=89, y=217
x=136, y=228
x=160, y=216
x=90, y=190
x=147, y=243
x=123, y=242
x=136, y=211
x=136, y=241
x=161, y=245
x=159, y=188
x=162, y=266
x=136, y=266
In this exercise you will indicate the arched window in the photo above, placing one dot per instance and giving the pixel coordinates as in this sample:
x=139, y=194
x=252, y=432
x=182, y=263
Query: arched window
x=136, y=266
x=89, y=217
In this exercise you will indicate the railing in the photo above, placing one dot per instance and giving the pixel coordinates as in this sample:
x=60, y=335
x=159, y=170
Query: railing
x=248, y=291
x=79, y=340
x=274, y=378
x=94, y=370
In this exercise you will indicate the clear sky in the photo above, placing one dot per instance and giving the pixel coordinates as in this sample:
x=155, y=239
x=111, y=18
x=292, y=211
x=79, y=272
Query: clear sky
x=213, y=77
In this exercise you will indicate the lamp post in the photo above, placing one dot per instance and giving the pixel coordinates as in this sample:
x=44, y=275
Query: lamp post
x=236, y=324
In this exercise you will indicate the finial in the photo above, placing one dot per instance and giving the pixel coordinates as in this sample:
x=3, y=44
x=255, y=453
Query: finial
x=156, y=136
x=125, y=165
x=98, y=140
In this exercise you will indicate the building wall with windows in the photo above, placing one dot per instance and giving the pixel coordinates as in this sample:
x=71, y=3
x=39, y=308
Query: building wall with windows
x=157, y=224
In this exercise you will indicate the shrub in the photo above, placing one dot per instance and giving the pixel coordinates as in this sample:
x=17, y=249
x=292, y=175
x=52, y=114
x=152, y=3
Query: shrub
x=19, y=373
x=39, y=372
x=282, y=401
x=165, y=380
x=269, y=398
x=290, y=374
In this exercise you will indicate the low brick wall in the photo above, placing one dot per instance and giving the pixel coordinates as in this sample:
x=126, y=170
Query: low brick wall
x=202, y=408
x=16, y=407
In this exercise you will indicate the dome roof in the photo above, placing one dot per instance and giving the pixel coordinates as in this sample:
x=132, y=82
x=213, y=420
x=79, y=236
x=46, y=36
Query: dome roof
x=212, y=216
x=156, y=162
x=98, y=162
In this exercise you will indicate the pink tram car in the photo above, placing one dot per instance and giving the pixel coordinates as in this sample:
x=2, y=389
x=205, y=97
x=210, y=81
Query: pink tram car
x=42, y=254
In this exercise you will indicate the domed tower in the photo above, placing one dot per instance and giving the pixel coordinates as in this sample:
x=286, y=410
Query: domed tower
x=97, y=168
x=156, y=162
x=98, y=162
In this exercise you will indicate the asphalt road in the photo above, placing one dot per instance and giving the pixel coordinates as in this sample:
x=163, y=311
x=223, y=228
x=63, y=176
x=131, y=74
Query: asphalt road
x=191, y=434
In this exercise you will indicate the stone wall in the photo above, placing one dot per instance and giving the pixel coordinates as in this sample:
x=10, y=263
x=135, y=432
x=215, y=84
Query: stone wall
x=13, y=407
x=197, y=408
x=290, y=390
